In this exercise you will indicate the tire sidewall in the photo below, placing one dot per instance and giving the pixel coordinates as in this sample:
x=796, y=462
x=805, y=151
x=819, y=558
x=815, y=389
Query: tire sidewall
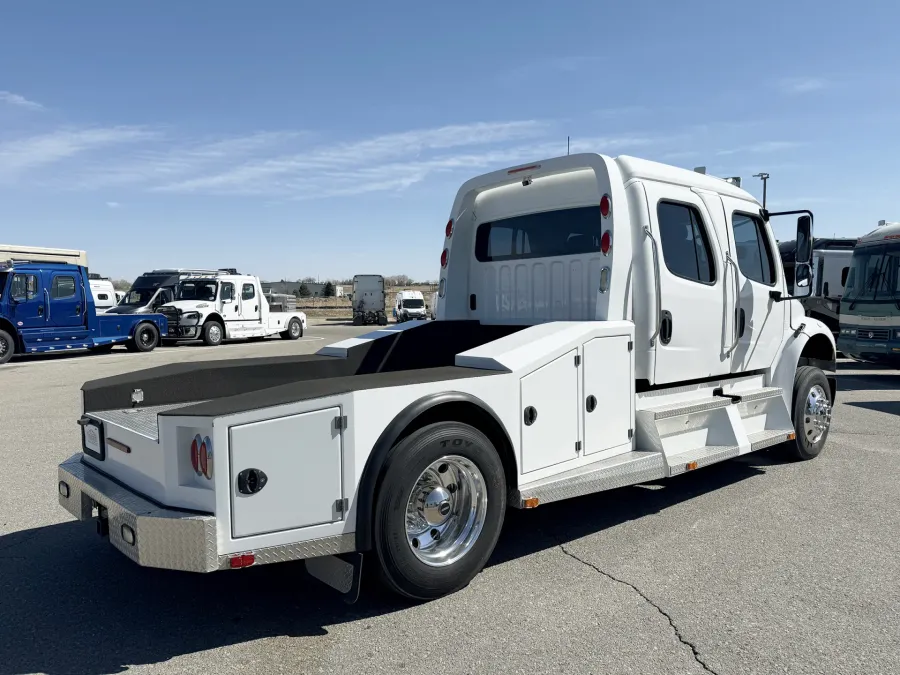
x=206, y=333
x=806, y=378
x=403, y=571
x=295, y=322
x=141, y=347
x=10, y=346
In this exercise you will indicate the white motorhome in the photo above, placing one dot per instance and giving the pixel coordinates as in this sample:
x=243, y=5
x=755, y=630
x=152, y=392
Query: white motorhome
x=602, y=322
x=226, y=306
x=103, y=292
x=409, y=306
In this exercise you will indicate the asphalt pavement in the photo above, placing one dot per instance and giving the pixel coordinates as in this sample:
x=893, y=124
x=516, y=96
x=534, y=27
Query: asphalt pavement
x=752, y=566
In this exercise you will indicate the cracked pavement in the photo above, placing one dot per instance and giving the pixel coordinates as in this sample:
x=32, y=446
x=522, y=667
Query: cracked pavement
x=754, y=566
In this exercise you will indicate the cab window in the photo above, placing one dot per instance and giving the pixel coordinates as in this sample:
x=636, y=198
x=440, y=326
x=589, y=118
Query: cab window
x=754, y=255
x=63, y=287
x=540, y=235
x=24, y=286
x=248, y=292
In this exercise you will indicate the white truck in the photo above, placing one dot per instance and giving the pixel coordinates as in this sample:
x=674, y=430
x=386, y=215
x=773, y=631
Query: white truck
x=368, y=300
x=602, y=322
x=225, y=306
x=410, y=306
x=103, y=292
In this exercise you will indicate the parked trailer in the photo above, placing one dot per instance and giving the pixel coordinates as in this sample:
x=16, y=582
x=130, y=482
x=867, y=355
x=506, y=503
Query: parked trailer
x=635, y=338
x=369, y=300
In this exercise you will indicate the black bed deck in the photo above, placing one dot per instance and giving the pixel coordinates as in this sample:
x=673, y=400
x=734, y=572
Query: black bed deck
x=417, y=355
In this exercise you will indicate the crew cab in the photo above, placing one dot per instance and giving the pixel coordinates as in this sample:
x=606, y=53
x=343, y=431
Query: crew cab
x=601, y=322
x=49, y=307
x=225, y=306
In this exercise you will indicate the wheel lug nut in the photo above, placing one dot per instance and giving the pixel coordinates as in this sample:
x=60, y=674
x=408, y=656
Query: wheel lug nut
x=451, y=488
x=435, y=535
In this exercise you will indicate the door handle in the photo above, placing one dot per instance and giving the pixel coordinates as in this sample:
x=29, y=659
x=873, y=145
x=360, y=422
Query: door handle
x=255, y=308
x=40, y=310
x=741, y=322
x=78, y=309
x=665, y=329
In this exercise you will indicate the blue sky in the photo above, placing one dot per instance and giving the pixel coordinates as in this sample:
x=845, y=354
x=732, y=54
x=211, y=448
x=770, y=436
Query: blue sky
x=297, y=138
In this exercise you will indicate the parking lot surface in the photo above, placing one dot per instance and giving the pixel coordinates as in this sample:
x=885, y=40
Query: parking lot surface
x=752, y=566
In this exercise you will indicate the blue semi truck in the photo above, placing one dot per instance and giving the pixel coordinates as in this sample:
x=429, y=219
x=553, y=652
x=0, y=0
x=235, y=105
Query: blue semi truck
x=48, y=307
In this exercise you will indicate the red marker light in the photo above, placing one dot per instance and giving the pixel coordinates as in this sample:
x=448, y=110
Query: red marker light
x=195, y=453
x=239, y=561
x=445, y=257
x=605, y=206
x=448, y=231
x=203, y=458
x=606, y=242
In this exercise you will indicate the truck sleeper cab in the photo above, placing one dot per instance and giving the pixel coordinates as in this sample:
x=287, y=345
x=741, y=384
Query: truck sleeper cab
x=601, y=322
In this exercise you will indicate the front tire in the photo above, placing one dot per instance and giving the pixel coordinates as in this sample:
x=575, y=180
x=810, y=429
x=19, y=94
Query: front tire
x=146, y=337
x=213, y=333
x=811, y=413
x=439, y=510
x=7, y=347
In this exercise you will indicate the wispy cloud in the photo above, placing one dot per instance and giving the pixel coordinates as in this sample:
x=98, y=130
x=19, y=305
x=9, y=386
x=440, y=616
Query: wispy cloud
x=801, y=85
x=19, y=101
x=22, y=155
x=113, y=205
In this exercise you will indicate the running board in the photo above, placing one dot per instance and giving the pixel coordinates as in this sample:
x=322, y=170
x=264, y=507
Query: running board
x=629, y=468
x=769, y=437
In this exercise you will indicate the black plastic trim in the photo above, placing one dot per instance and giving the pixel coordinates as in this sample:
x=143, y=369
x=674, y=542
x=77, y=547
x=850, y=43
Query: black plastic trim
x=365, y=496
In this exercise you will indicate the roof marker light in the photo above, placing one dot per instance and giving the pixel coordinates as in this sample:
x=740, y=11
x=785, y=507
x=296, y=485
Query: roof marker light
x=524, y=168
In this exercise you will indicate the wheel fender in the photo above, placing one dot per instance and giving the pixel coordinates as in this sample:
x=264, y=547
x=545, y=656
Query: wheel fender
x=7, y=326
x=365, y=496
x=809, y=347
x=138, y=324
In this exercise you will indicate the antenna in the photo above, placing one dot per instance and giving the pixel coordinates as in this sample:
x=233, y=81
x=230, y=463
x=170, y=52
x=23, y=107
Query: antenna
x=567, y=145
x=763, y=177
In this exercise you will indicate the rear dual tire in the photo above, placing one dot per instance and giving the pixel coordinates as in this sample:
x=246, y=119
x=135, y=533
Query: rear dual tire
x=439, y=510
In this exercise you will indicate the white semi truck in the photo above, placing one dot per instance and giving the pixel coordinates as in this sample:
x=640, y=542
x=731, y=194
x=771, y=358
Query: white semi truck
x=368, y=300
x=602, y=322
x=224, y=306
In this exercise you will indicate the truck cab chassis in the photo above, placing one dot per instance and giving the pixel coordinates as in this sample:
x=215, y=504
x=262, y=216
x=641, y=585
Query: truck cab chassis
x=601, y=322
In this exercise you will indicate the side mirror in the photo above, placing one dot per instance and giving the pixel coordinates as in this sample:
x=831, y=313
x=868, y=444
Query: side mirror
x=803, y=254
x=844, y=273
x=802, y=279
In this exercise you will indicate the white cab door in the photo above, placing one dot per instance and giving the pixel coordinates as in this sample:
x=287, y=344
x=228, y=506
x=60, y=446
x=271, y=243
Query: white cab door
x=759, y=320
x=230, y=308
x=692, y=316
x=250, y=312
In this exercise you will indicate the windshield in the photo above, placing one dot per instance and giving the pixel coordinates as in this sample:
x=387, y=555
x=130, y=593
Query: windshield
x=413, y=303
x=874, y=274
x=138, y=297
x=197, y=289
x=3, y=276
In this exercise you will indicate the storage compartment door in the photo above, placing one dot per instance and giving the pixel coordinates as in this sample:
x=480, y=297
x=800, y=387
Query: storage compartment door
x=300, y=456
x=549, y=406
x=608, y=378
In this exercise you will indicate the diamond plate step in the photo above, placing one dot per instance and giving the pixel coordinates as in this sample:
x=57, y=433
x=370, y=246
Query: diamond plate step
x=700, y=457
x=769, y=437
x=663, y=412
x=139, y=420
x=756, y=394
x=629, y=468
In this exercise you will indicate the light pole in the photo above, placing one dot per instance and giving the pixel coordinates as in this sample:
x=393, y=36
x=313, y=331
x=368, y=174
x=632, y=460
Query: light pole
x=763, y=177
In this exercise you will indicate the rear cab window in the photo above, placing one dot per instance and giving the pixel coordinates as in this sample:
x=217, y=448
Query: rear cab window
x=549, y=234
x=685, y=242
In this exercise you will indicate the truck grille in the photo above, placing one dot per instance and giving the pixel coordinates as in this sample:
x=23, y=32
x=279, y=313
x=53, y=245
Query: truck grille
x=873, y=334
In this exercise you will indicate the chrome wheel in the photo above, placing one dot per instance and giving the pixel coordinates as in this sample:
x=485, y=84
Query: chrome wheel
x=215, y=333
x=446, y=510
x=816, y=414
x=295, y=329
x=4, y=346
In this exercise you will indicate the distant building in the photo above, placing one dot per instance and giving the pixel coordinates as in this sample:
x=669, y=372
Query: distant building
x=292, y=287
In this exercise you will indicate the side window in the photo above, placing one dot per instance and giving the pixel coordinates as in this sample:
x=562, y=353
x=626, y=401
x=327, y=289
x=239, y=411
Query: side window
x=248, y=292
x=227, y=292
x=102, y=296
x=685, y=243
x=754, y=255
x=24, y=286
x=62, y=288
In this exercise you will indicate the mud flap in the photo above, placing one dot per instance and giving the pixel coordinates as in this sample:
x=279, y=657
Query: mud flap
x=342, y=572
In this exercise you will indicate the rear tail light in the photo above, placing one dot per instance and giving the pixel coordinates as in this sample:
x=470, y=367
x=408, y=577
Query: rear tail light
x=206, y=458
x=605, y=206
x=448, y=231
x=240, y=561
x=195, y=453
x=445, y=257
x=606, y=242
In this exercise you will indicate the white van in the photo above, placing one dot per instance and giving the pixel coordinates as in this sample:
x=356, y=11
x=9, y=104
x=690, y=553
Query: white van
x=409, y=305
x=104, y=294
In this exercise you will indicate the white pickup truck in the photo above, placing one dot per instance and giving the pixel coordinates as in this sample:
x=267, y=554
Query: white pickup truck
x=602, y=322
x=225, y=306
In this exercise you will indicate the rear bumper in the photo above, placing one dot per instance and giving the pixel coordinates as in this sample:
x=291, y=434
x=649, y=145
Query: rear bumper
x=869, y=350
x=165, y=538
x=168, y=538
